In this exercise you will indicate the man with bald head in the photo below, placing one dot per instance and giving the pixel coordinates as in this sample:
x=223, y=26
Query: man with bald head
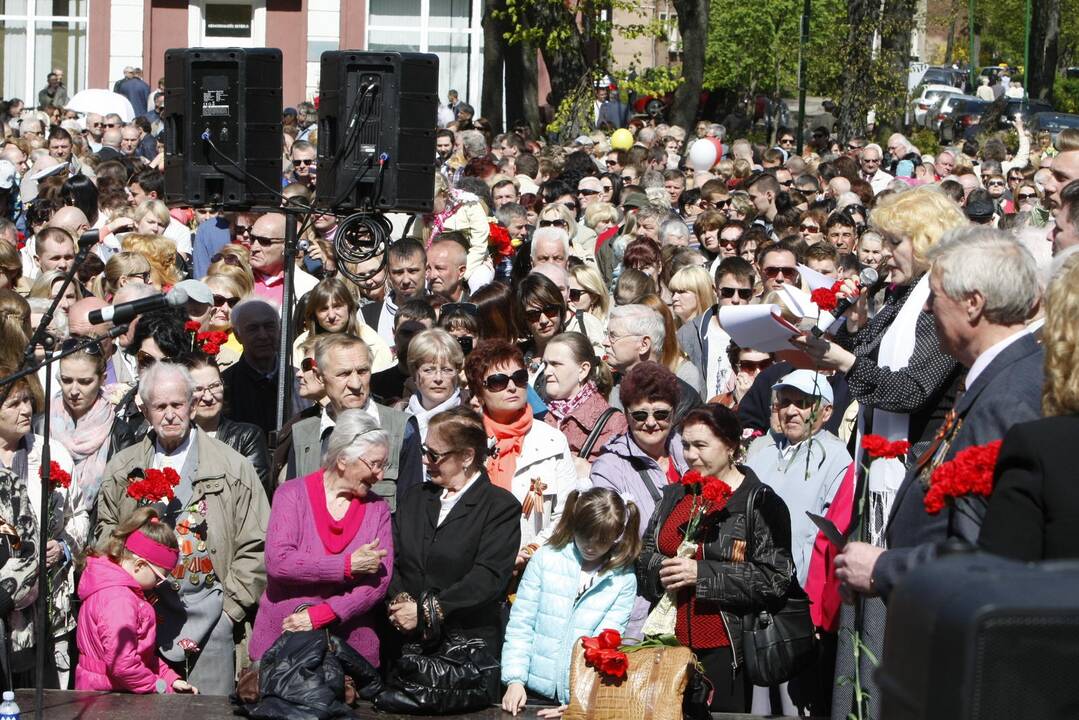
x=446, y=267
x=70, y=219
x=837, y=186
x=16, y=157
x=95, y=130
x=945, y=164
x=268, y=261
x=32, y=129
x=110, y=144
x=130, y=136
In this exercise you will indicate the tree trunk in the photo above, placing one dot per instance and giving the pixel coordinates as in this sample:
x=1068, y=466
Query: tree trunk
x=522, y=87
x=1044, y=47
x=897, y=24
x=949, y=49
x=693, y=26
x=493, y=60
x=862, y=19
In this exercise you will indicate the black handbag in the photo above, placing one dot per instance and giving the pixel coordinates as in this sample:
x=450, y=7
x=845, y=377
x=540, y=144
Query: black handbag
x=777, y=643
x=446, y=674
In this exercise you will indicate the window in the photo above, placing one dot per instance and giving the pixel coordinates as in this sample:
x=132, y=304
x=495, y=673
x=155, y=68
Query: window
x=58, y=41
x=448, y=28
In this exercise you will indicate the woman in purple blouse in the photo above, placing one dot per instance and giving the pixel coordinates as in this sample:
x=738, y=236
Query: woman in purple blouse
x=329, y=544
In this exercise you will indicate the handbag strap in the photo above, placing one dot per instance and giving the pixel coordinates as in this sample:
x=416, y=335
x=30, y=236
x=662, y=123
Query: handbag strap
x=751, y=519
x=656, y=495
x=593, y=436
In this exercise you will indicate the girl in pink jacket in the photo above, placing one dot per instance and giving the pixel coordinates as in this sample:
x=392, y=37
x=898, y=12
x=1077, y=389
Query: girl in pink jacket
x=117, y=629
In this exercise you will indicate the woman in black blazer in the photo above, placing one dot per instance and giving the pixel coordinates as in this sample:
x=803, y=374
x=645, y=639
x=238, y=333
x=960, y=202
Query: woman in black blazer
x=1034, y=509
x=455, y=540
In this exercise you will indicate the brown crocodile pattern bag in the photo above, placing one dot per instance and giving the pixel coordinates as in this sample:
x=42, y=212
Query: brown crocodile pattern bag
x=652, y=689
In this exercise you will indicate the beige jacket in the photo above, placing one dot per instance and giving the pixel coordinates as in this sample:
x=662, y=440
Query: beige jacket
x=237, y=513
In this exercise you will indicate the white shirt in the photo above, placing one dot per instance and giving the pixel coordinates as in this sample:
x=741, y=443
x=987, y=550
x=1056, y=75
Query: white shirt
x=175, y=459
x=326, y=421
x=448, y=501
x=717, y=361
x=990, y=355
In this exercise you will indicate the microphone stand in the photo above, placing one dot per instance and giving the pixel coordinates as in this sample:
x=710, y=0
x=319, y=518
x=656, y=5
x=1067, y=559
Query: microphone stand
x=40, y=336
x=284, y=350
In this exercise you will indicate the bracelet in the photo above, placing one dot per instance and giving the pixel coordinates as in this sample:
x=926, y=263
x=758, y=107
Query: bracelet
x=402, y=597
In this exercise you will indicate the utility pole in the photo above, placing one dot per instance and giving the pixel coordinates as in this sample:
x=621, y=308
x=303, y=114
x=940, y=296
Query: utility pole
x=803, y=42
x=1026, y=55
x=973, y=60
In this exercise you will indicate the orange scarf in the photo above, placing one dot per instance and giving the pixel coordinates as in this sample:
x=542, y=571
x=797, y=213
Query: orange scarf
x=509, y=439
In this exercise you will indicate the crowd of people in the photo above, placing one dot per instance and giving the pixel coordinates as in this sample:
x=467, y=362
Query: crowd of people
x=490, y=422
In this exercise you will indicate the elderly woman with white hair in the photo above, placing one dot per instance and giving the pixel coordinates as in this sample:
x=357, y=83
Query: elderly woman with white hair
x=219, y=510
x=329, y=544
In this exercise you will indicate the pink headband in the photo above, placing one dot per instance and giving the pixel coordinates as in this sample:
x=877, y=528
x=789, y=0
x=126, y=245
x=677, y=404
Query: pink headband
x=151, y=550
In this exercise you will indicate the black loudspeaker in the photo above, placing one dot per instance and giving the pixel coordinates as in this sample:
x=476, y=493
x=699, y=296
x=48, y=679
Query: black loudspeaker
x=377, y=118
x=976, y=637
x=223, y=126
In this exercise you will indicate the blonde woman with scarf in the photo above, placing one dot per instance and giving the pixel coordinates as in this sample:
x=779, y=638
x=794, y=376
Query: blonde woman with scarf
x=82, y=417
x=529, y=458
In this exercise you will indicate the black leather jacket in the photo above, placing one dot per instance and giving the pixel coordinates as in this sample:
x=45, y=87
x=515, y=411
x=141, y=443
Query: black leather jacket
x=738, y=587
x=249, y=441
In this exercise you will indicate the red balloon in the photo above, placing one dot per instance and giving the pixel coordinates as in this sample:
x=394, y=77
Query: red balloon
x=719, y=148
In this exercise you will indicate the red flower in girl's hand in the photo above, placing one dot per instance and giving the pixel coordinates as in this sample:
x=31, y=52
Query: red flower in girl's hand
x=58, y=477
x=192, y=326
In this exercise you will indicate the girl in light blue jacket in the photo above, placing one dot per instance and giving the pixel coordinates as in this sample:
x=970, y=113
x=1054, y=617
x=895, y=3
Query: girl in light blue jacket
x=579, y=583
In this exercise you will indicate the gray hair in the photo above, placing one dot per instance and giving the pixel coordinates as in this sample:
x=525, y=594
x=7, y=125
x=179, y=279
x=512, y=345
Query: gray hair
x=550, y=233
x=508, y=212
x=674, y=227
x=160, y=372
x=473, y=143
x=249, y=306
x=641, y=320
x=354, y=434
x=970, y=259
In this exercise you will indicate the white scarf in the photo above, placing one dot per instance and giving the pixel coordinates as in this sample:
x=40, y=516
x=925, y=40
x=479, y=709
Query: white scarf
x=423, y=415
x=886, y=475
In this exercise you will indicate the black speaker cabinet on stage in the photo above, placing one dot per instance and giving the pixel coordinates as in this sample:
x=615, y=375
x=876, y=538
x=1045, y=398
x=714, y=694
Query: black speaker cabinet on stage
x=377, y=118
x=976, y=637
x=233, y=97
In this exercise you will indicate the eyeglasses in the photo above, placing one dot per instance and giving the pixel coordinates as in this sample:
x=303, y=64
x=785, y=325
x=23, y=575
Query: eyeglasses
x=576, y=295
x=266, y=241
x=112, y=125
x=755, y=366
x=716, y=204
x=557, y=223
x=853, y=146
x=571, y=205
x=803, y=402
x=995, y=183
x=729, y=292
x=628, y=179
x=72, y=342
x=1026, y=196
x=787, y=272
x=811, y=228
x=728, y=242
x=144, y=276
x=242, y=229
x=144, y=359
x=786, y=141
x=549, y=311
x=500, y=381
x=298, y=163
x=432, y=370
x=608, y=188
x=232, y=260
x=434, y=457
x=461, y=307
x=221, y=300
x=612, y=163
x=213, y=388
x=588, y=192
x=375, y=468
x=787, y=184
x=870, y=160
x=308, y=364
x=659, y=416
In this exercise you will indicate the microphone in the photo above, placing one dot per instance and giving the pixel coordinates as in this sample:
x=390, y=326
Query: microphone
x=871, y=282
x=125, y=312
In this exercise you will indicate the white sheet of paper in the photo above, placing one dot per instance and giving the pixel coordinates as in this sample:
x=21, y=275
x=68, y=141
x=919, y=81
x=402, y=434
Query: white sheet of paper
x=813, y=279
x=798, y=302
x=760, y=327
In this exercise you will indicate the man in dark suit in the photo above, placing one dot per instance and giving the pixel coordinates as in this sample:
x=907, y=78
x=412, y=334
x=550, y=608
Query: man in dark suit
x=981, y=321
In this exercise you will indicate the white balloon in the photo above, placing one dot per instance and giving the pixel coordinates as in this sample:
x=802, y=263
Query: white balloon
x=702, y=155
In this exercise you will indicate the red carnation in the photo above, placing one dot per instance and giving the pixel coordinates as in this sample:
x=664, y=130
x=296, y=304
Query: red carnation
x=58, y=477
x=824, y=298
x=879, y=447
x=192, y=326
x=211, y=348
x=970, y=472
x=693, y=477
x=716, y=492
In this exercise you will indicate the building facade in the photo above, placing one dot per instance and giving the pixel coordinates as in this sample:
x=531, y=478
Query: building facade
x=93, y=40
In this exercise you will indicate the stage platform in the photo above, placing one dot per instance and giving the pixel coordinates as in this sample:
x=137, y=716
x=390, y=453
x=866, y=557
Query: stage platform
x=69, y=705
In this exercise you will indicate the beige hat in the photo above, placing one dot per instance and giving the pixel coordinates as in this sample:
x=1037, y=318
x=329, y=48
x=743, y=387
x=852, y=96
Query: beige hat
x=590, y=183
x=526, y=184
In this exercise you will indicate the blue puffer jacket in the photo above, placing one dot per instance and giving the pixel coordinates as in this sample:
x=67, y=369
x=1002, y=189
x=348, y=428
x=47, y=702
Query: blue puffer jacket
x=546, y=620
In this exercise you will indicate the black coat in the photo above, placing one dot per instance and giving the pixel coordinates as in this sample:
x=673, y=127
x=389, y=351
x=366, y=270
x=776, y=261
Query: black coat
x=1034, y=509
x=249, y=441
x=735, y=586
x=467, y=561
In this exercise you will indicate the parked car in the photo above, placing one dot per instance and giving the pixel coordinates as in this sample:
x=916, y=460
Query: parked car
x=943, y=108
x=925, y=96
x=939, y=75
x=966, y=112
x=1026, y=107
x=1053, y=123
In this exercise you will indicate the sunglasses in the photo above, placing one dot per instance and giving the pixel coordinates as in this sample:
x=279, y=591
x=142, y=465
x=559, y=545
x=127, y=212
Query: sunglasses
x=72, y=342
x=242, y=229
x=308, y=364
x=995, y=183
x=608, y=188
x=500, y=381
x=144, y=359
x=549, y=311
x=462, y=307
x=851, y=146
x=434, y=457
x=612, y=163
x=220, y=300
x=811, y=228
x=728, y=292
x=588, y=192
x=144, y=276
x=716, y=204
x=727, y=242
x=556, y=223
x=571, y=205
x=1027, y=196
x=787, y=272
x=161, y=577
x=227, y=259
x=299, y=163
x=755, y=365
x=628, y=179
x=804, y=402
x=641, y=416
x=576, y=295
x=266, y=241
x=786, y=141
